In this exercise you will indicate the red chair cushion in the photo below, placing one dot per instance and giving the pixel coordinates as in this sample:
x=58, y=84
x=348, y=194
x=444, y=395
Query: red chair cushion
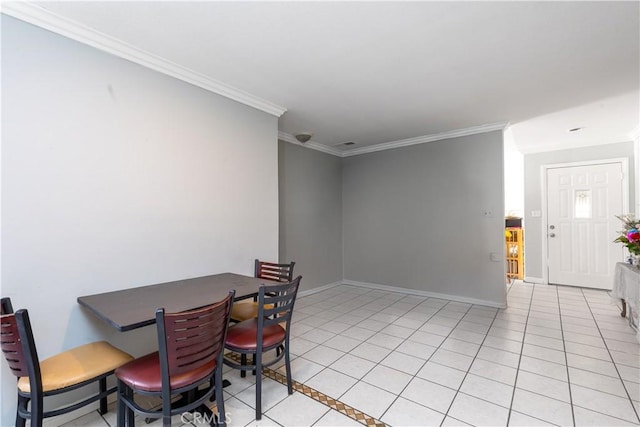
x=143, y=373
x=244, y=335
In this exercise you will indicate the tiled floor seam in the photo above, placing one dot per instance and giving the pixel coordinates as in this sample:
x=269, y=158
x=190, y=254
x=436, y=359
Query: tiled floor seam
x=320, y=397
x=615, y=365
x=404, y=340
x=566, y=360
x=534, y=294
x=378, y=363
x=332, y=403
x=471, y=364
x=572, y=367
x=524, y=332
x=425, y=362
x=428, y=359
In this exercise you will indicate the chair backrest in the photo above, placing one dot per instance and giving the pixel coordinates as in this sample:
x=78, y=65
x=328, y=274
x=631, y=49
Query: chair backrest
x=18, y=346
x=192, y=339
x=6, y=307
x=274, y=271
x=275, y=303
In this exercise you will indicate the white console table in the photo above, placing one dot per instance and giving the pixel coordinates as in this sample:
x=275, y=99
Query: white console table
x=626, y=286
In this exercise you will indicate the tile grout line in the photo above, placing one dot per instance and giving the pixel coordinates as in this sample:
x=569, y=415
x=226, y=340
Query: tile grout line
x=366, y=417
x=378, y=363
x=469, y=368
x=567, y=365
x=566, y=359
x=377, y=332
x=582, y=355
x=404, y=340
x=407, y=339
x=524, y=332
x=532, y=291
x=446, y=414
x=320, y=397
x=459, y=320
x=423, y=364
x=615, y=365
x=430, y=356
x=518, y=368
x=103, y=418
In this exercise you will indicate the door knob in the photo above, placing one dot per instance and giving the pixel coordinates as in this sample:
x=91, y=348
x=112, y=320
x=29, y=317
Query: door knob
x=552, y=227
x=552, y=235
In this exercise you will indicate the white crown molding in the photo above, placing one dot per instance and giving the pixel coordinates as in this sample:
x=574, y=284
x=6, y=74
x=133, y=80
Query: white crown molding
x=43, y=18
x=425, y=293
x=426, y=138
x=313, y=145
x=395, y=144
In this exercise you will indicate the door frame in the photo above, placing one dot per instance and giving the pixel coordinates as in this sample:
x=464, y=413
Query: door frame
x=624, y=163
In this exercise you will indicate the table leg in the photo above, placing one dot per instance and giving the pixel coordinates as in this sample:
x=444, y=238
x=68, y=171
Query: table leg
x=624, y=308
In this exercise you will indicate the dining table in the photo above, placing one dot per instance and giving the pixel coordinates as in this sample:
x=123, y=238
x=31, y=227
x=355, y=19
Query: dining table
x=132, y=308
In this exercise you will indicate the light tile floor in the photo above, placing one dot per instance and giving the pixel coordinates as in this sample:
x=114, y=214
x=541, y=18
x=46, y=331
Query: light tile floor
x=556, y=356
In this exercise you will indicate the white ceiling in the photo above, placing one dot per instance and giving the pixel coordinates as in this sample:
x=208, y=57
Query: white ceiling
x=377, y=72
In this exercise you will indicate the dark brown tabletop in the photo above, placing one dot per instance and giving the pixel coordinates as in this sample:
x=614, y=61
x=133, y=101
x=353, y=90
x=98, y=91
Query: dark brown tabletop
x=133, y=308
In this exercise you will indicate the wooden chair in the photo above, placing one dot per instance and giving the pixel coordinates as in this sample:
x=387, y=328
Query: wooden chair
x=263, y=270
x=268, y=331
x=5, y=306
x=66, y=371
x=188, y=363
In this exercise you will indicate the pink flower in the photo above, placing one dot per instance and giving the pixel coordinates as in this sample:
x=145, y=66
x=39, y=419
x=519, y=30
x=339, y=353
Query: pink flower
x=633, y=235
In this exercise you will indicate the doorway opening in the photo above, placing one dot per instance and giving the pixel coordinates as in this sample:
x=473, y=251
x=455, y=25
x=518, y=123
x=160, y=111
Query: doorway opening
x=514, y=232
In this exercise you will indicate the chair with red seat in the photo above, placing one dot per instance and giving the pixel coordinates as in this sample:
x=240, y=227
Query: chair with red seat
x=63, y=372
x=268, y=331
x=188, y=363
x=262, y=270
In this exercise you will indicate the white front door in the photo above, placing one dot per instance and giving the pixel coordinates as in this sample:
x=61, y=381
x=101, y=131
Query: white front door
x=582, y=202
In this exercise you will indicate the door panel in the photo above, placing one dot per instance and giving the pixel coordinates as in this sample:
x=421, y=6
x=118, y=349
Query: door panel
x=582, y=202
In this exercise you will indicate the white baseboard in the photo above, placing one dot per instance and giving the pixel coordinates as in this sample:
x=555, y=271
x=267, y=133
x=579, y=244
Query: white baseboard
x=308, y=292
x=539, y=280
x=422, y=293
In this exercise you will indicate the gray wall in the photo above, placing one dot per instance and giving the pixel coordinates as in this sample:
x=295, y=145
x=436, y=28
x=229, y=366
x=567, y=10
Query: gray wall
x=533, y=163
x=414, y=217
x=311, y=214
x=116, y=176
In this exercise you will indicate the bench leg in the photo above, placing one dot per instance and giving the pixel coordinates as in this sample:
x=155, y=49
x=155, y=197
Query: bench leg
x=103, y=401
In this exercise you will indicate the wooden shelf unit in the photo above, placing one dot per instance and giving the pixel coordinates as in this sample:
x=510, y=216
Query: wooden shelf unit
x=514, y=238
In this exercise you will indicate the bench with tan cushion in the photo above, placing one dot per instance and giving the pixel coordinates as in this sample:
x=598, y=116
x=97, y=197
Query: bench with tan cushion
x=77, y=365
x=66, y=371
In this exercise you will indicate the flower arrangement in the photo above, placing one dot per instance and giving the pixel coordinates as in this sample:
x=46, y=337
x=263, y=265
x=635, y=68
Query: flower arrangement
x=630, y=236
